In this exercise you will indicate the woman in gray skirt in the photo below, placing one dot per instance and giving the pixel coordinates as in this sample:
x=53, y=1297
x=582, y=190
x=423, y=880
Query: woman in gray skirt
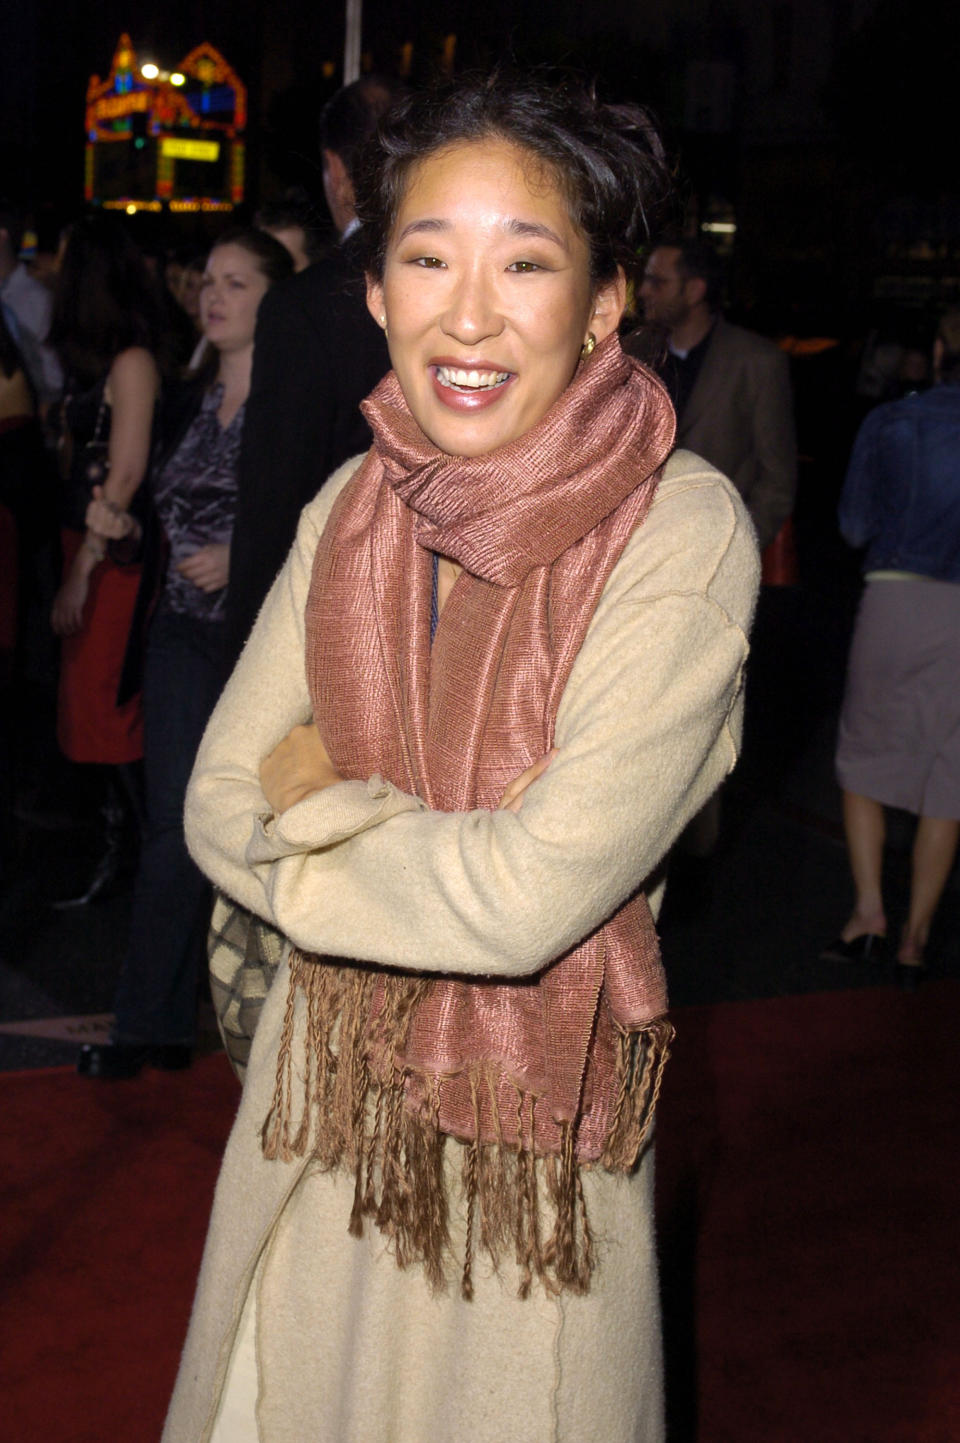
x=899, y=742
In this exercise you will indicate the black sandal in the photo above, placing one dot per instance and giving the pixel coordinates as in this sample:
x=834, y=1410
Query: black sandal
x=868, y=947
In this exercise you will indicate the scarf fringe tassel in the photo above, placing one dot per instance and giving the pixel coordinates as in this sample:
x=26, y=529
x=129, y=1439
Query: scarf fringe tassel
x=351, y=1118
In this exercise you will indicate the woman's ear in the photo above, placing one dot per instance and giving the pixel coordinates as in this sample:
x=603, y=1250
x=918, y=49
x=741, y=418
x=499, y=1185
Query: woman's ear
x=608, y=305
x=375, y=301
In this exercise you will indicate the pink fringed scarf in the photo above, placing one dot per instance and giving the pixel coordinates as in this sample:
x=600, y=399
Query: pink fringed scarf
x=538, y=1076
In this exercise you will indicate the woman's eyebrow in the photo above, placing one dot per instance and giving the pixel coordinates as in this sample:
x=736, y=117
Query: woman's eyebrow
x=526, y=228
x=416, y=227
x=535, y=228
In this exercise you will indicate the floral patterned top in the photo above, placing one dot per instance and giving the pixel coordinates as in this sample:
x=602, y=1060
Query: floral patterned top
x=196, y=496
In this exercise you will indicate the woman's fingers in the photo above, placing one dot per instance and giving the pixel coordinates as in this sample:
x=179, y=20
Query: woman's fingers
x=298, y=766
x=106, y=521
x=208, y=568
x=512, y=799
x=66, y=617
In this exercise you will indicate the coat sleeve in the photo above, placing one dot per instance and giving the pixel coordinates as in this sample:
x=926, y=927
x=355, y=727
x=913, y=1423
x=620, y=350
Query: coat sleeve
x=317, y=355
x=774, y=485
x=857, y=511
x=646, y=730
x=287, y=415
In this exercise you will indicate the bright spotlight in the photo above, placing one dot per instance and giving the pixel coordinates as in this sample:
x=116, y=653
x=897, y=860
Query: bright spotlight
x=178, y=79
x=149, y=71
x=131, y=210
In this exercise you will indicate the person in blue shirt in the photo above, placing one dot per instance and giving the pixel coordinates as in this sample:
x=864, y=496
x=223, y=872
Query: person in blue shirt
x=899, y=741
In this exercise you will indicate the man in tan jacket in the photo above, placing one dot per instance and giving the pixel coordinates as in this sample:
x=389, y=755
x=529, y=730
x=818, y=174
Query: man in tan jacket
x=730, y=387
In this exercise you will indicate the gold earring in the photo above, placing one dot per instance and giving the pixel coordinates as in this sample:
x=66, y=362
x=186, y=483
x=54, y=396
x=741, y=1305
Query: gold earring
x=383, y=323
x=589, y=346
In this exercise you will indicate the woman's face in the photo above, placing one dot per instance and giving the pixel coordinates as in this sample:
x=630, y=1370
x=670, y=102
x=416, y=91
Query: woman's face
x=487, y=295
x=233, y=287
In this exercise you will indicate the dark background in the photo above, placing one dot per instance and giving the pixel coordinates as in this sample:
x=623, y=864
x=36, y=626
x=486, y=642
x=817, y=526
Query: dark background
x=821, y=127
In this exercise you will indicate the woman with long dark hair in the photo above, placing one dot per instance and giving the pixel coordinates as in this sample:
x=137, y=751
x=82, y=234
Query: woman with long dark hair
x=500, y=671
x=106, y=327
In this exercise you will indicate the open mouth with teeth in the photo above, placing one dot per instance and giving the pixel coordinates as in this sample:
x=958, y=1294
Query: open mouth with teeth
x=469, y=381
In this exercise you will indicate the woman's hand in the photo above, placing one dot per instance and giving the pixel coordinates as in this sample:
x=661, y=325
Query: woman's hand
x=105, y=518
x=208, y=568
x=66, y=618
x=512, y=799
x=299, y=766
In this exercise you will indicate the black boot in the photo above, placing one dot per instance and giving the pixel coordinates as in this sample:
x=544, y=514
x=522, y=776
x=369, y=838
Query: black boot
x=117, y=1061
x=119, y=850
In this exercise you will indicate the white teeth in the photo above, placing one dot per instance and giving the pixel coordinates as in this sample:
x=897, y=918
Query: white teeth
x=471, y=380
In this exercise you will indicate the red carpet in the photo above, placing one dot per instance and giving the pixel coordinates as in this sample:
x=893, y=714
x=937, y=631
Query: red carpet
x=104, y=1200
x=808, y=1196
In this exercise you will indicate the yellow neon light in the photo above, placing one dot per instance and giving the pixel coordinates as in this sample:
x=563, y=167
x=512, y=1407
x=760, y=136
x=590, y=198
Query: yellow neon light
x=190, y=149
x=132, y=206
x=110, y=106
x=200, y=205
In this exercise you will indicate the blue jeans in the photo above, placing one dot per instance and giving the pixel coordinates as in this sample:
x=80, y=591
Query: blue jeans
x=156, y=997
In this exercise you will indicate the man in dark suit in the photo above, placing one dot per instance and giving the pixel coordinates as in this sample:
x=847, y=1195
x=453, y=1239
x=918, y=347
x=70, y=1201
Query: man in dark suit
x=731, y=391
x=730, y=387
x=317, y=354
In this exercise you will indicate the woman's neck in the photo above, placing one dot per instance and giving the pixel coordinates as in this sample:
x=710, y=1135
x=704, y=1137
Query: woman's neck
x=233, y=374
x=447, y=573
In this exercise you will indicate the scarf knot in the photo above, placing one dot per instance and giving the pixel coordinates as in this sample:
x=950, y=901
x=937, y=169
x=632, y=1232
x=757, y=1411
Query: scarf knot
x=505, y=513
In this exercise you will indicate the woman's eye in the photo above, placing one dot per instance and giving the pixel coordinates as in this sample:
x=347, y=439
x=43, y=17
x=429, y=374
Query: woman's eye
x=524, y=268
x=430, y=262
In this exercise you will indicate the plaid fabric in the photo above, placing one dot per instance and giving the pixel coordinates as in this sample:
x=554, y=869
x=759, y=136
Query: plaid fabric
x=244, y=953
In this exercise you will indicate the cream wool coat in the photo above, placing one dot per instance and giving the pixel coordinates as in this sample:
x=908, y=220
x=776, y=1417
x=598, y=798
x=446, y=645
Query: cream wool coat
x=337, y=1345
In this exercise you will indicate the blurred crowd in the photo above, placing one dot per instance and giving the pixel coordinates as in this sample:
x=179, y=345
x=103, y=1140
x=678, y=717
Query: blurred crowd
x=145, y=506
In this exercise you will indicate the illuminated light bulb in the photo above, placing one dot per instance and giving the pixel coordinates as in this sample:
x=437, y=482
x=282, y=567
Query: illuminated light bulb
x=131, y=210
x=177, y=79
x=149, y=71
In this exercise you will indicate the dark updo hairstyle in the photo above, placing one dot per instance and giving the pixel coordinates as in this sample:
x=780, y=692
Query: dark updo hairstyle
x=608, y=160
x=105, y=299
x=273, y=259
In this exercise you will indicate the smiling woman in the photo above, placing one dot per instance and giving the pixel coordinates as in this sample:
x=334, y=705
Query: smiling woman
x=487, y=296
x=500, y=671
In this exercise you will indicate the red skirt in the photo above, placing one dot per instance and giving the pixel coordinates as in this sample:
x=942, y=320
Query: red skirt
x=90, y=725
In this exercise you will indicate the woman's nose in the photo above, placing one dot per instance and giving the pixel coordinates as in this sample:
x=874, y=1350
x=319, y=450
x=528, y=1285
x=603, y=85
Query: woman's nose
x=473, y=313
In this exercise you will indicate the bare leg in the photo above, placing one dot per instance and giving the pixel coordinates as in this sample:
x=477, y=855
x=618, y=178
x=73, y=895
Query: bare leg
x=865, y=826
x=934, y=848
